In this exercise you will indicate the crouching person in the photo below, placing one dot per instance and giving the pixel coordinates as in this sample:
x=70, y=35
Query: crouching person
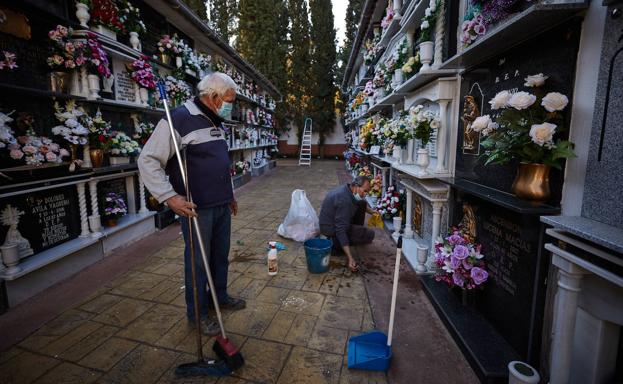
x=342, y=217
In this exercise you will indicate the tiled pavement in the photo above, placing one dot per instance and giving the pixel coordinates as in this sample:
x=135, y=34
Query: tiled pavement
x=133, y=329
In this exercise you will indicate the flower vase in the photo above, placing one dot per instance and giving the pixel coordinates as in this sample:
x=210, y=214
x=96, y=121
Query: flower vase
x=403, y=156
x=118, y=160
x=522, y=373
x=165, y=58
x=94, y=87
x=110, y=222
x=86, y=156
x=97, y=157
x=84, y=82
x=398, y=78
x=75, y=83
x=422, y=257
x=73, y=148
x=178, y=62
x=397, y=153
x=59, y=82
x=144, y=95
x=397, y=221
x=102, y=30
x=10, y=258
x=397, y=6
x=410, y=144
x=108, y=83
x=82, y=14
x=135, y=42
x=422, y=161
x=532, y=182
x=426, y=54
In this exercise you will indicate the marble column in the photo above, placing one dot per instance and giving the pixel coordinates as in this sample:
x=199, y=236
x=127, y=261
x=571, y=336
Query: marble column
x=94, y=219
x=439, y=32
x=384, y=179
x=437, y=207
x=441, y=137
x=397, y=7
x=411, y=42
x=141, y=193
x=82, y=204
x=565, y=310
x=131, y=193
x=408, y=232
x=410, y=145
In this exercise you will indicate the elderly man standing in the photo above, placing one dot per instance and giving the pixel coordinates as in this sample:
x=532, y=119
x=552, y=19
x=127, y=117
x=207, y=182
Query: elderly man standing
x=198, y=130
x=342, y=216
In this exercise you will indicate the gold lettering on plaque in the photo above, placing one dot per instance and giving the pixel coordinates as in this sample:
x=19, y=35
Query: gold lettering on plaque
x=471, y=111
x=14, y=23
x=468, y=222
x=417, y=215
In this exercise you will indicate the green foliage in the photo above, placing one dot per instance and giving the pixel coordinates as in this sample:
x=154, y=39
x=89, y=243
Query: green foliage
x=299, y=64
x=353, y=14
x=199, y=6
x=323, y=67
x=222, y=16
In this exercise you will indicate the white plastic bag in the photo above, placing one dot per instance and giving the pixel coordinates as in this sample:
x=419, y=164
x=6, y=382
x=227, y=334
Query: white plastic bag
x=301, y=222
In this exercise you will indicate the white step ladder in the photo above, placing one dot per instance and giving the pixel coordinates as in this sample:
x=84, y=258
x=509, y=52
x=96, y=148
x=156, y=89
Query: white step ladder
x=305, y=154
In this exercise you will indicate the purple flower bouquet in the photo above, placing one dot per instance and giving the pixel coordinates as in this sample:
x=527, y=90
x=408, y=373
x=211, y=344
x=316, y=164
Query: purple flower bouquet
x=460, y=261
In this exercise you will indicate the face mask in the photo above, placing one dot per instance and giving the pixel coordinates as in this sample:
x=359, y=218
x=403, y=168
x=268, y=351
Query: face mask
x=356, y=196
x=225, y=110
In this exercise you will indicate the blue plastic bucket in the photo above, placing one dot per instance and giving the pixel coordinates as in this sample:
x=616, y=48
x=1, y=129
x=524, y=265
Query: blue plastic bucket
x=318, y=252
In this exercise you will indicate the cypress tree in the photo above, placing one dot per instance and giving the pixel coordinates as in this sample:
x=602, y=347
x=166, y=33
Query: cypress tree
x=353, y=14
x=323, y=68
x=222, y=15
x=299, y=60
x=199, y=6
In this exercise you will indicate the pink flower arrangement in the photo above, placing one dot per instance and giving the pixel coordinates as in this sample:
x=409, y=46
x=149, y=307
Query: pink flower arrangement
x=369, y=89
x=390, y=205
x=97, y=58
x=472, y=29
x=9, y=60
x=169, y=45
x=66, y=54
x=35, y=150
x=389, y=16
x=143, y=73
x=460, y=261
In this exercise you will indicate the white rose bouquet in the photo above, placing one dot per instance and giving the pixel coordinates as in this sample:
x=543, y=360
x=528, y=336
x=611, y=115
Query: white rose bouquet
x=123, y=145
x=424, y=122
x=71, y=117
x=525, y=126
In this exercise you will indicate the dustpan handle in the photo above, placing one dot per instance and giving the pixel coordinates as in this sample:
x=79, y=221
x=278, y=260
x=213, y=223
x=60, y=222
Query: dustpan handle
x=390, y=331
x=202, y=248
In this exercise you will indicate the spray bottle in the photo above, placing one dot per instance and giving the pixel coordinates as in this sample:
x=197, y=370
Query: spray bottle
x=272, y=258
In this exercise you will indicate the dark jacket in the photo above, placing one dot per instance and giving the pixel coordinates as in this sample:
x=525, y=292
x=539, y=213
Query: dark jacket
x=336, y=213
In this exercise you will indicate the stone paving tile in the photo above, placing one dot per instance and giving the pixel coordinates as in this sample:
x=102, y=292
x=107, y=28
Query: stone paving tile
x=89, y=343
x=279, y=327
x=169, y=376
x=74, y=336
x=238, y=286
x=330, y=284
x=253, y=289
x=264, y=360
x=56, y=328
x=306, y=366
x=67, y=373
x=342, y=312
x=108, y=354
x=257, y=271
x=313, y=282
x=101, y=303
x=291, y=278
x=301, y=330
x=143, y=365
x=273, y=295
x=351, y=376
x=308, y=303
x=352, y=287
x=9, y=354
x=151, y=325
x=25, y=368
x=139, y=284
x=124, y=312
x=253, y=320
x=328, y=339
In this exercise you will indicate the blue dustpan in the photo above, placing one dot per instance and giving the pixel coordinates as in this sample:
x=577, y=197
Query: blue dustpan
x=372, y=351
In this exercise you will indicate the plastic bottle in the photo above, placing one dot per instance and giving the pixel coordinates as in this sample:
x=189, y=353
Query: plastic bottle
x=272, y=259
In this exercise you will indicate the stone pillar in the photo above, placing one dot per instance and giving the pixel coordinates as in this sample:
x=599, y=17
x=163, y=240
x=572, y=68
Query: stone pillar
x=408, y=232
x=410, y=145
x=94, y=219
x=439, y=32
x=129, y=188
x=441, y=137
x=437, y=207
x=411, y=42
x=565, y=310
x=397, y=7
x=82, y=204
x=384, y=179
x=141, y=191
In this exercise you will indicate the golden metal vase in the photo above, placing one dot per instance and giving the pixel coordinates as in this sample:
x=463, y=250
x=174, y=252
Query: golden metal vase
x=97, y=157
x=532, y=182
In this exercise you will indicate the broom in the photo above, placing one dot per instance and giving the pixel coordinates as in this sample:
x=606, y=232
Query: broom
x=223, y=347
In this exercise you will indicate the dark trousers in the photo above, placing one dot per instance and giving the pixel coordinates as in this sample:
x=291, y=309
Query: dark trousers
x=358, y=233
x=215, y=225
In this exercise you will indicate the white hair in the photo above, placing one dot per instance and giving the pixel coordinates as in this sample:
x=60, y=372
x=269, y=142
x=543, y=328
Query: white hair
x=216, y=82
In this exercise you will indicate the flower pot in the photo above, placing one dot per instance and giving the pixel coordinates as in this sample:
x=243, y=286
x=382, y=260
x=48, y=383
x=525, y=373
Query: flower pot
x=178, y=62
x=398, y=78
x=165, y=58
x=102, y=30
x=97, y=157
x=522, y=373
x=532, y=182
x=422, y=257
x=135, y=42
x=144, y=95
x=110, y=222
x=82, y=14
x=117, y=160
x=10, y=258
x=86, y=157
x=73, y=148
x=422, y=161
x=59, y=82
x=94, y=87
x=397, y=221
x=426, y=54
